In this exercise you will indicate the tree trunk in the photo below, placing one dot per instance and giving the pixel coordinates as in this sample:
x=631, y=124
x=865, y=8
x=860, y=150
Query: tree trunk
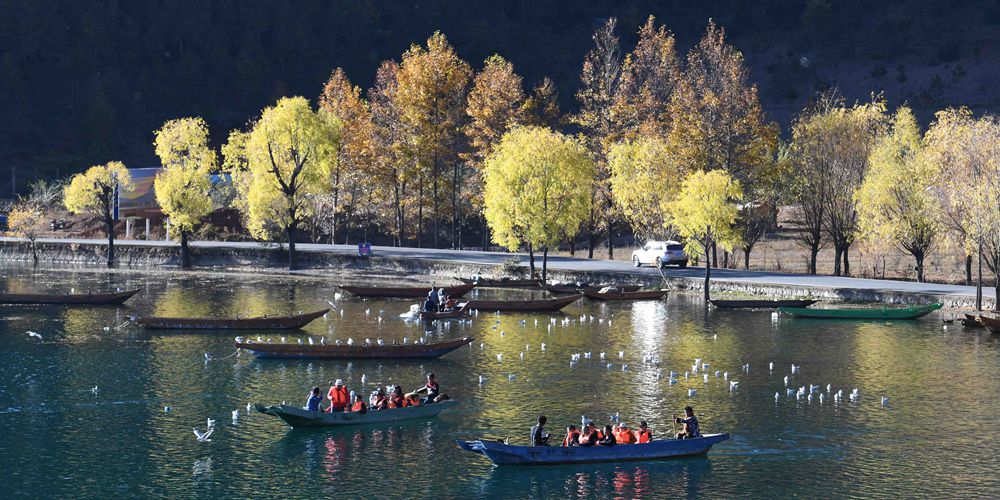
x=611, y=237
x=725, y=259
x=746, y=257
x=920, y=266
x=996, y=292
x=813, y=252
x=34, y=253
x=708, y=274
x=572, y=248
x=531, y=261
x=715, y=256
x=545, y=262
x=979, y=282
x=836, y=260
x=968, y=270
x=454, y=207
x=109, y=226
x=290, y=232
x=437, y=210
x=185, y=254
x=847, y=261
x=591, y=237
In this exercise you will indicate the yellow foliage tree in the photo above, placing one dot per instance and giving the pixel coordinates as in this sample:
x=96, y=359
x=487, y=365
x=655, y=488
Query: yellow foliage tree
x=648, y=79
x=182, y=186
x=705, y=214
x=643, y=183
x=289, y=156
x=27, y=220
x=537, y=190
x=895, y=203
x=93, y=192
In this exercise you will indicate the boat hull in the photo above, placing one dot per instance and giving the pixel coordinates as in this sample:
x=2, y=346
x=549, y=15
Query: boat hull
x=991, y=324
x=615, y=295
x=540, y=305
x=503, y=454
x=94, y=299
x=259, y=323
x=374, y=351
x=431, y=316
x=298, y=418
x=572, y=289
x=876, y=314
x=972, y=321
x=761, y=304
x=404, y=292
x=502, y=283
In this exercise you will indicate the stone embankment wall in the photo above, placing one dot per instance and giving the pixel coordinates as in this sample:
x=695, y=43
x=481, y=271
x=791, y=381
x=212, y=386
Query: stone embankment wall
x=275, y=259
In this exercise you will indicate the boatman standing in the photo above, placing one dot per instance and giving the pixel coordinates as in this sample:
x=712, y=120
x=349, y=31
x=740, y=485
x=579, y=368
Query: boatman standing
x=690, y=422
x=313, y=403
x=538, y=435
x=432, y=389
x=338, y=396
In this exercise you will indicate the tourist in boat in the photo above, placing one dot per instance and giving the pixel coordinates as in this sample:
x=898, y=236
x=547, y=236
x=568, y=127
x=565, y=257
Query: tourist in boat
x=450, y=303
x=411, y=400
x=609, y=437
x=538, y=435
x=441, y=298
x=624, y=435
x=430, y=305
x=691, y=429
x=338, y=396
x=381, y=402
x=589, y=436
x=433, y=391
x=315, y=398
x=644, y=434
x=359, y=404
x=572, y=437
x=396, y=399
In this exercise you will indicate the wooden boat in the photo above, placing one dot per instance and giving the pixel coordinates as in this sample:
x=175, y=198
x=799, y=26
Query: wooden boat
x=454, y=313
x=884, y=313
x=506, y=454
x=761, y=304
x=539, y=305
x=356, y=351
x=586, y=288
x=297, y=417
x=622, y=295
x=972, y=321
x=408, y=292
x=90, y=299
x=991, y=324
x=501, y=283
x=257, y=323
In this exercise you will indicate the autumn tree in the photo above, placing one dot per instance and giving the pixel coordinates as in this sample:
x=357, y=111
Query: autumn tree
x=393, y=167
x=599, y=82
x=541, y=107
x=27, y=220
x=356, y=154
x=537, y=190
x=966, y=150
x=643, y=174
x=430, y=96
x=705, y=213
x=718, y=123
x=289, y=155
x=649, y=75
x=895, y=202
x=93, y=192
x=183, y=185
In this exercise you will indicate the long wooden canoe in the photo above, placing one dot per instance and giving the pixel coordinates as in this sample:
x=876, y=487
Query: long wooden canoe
x=762, y=304
x=587, y=288
x=991, y=324
x=408, y=292
x=506, y=454
x=356, y=351
x=883, y=313
x=972, y=321
x=91, y=299
x=501, y=283
x=620, y=295
x=454, y=313
x=257, y=323
x=297, y=417
x=538, y=305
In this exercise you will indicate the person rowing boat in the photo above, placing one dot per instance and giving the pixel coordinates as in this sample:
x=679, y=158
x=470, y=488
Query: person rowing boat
x=432, y=389
x=538, y=435
x=690, y=422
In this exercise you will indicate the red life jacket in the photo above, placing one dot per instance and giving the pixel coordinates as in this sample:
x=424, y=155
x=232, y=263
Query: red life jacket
x=571, y=437
x=339, y=398
x=358, y=406
x=625, y=437
x=397, y=402
x=644, y=436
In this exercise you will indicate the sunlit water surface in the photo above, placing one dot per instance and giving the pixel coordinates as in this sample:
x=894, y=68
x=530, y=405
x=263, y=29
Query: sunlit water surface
x=937, y=438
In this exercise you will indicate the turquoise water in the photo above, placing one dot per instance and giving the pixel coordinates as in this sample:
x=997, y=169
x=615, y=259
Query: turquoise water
x=938, y=436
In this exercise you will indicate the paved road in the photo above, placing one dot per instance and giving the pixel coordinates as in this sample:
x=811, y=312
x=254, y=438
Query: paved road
x=588, y=265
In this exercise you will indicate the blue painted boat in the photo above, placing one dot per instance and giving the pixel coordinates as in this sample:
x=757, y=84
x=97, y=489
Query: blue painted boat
x=506, y=454
x=298, y=417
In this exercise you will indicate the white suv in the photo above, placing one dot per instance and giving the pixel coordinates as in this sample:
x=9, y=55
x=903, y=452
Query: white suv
x=660, y=254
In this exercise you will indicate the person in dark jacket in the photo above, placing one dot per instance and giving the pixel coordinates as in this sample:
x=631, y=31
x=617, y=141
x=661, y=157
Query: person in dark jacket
x=538, y=435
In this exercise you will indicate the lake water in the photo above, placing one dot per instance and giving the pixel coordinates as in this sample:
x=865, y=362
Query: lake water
x=937, y=438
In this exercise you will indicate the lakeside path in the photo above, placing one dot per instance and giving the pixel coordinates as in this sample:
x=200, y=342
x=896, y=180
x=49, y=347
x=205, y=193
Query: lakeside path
x=749, y=280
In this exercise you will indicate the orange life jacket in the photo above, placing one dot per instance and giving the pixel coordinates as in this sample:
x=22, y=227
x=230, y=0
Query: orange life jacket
x=570, y=437
x=395, y=402
x=358, y=406
x=339, y=398
x=625, y=437
x=644, y=436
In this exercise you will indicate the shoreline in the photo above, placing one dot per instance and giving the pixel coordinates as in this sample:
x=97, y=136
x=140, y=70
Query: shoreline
x=431, y=265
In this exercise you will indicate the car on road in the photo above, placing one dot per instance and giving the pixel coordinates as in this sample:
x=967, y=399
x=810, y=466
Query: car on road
x=660, y=254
